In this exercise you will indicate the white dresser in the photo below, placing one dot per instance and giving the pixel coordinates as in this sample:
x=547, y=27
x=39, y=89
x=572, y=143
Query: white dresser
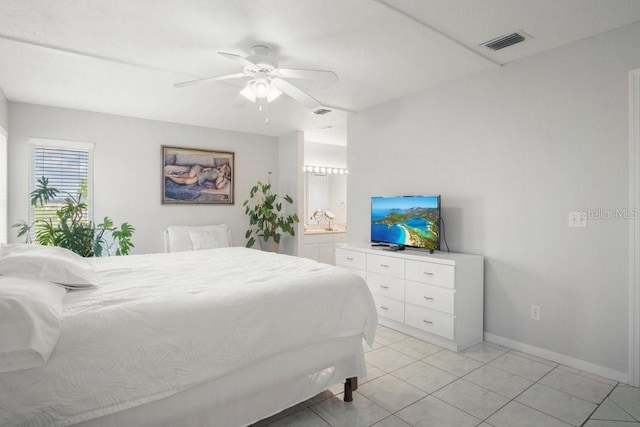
x=436, y=297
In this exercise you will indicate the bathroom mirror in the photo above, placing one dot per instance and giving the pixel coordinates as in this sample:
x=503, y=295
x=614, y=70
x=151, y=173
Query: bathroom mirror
x=318, y=216
x=326, y=193
x=317, y=196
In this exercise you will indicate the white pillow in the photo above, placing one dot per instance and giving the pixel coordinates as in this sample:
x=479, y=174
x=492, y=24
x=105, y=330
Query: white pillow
x=178, y=237
x=30, y=317
x=49, y=263
x=204, y=240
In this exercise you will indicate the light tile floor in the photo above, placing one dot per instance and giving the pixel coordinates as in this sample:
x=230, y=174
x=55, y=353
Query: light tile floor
x=414, y=383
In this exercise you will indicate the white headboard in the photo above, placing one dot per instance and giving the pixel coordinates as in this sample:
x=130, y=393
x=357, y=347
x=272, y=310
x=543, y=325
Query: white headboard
x=178, y=238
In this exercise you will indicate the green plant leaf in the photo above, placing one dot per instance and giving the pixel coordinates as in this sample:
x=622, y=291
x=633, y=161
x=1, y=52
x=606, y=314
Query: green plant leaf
x=106, y=223
x=266, y=213
x=42, y=193
x=72, y=230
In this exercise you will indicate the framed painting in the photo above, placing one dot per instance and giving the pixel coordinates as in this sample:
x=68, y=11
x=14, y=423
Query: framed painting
x=197, y=176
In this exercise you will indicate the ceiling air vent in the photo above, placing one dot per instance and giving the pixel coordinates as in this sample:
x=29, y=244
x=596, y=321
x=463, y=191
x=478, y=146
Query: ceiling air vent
x=321, y=111
x=504, y=41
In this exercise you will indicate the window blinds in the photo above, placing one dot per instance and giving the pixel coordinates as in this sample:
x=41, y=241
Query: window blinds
x=68, y=169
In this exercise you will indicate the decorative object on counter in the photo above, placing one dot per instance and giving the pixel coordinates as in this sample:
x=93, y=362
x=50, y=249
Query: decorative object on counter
x=71, y=229
x=329, y=216
x=318, y=215
x=324, y=169
x=266, y=217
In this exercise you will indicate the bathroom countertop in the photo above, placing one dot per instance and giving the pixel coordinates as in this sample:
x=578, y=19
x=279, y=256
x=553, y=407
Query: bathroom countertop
x=323, y=230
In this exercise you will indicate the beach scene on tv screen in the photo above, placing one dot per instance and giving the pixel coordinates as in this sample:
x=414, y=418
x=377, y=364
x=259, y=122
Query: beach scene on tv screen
x=409, y=221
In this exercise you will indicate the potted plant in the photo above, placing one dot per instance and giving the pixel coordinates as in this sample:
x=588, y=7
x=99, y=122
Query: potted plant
x=267, y=219
x=71, y=230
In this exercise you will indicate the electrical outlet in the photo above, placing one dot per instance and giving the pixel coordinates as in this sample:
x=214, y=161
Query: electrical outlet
x=578, y=219
x=535, y=312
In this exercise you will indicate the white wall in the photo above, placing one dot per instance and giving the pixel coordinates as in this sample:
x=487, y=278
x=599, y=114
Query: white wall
x=128, y=168
x=4, y=113
x=316, y=154
x=4, y=128
x=290, y=158
x=512, y=151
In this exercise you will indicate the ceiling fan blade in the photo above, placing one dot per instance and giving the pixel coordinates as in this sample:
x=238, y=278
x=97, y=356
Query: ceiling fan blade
x=210, y=79
x=320, y=75
x=296, y=93
x=242, y=60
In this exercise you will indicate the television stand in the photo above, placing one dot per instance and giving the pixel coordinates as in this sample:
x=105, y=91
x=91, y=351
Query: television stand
x=394, y=248
x=436, y=297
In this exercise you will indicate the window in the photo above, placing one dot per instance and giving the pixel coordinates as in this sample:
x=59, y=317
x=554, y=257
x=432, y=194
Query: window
x=68, y=167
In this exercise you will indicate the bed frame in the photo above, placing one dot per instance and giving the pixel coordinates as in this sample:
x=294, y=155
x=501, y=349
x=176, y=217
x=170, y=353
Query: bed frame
x=350, y=385
x=255, y=392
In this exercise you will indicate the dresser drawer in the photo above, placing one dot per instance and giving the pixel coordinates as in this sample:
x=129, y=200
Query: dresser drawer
x=351, y=259
x=430, y=273
x=385, y=265
x=387, y=286
x=433, y=297
x=389, y=308
x=432, y=321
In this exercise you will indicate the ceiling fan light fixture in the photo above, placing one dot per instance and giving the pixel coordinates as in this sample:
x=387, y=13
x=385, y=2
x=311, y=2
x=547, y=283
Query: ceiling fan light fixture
x=247, y=92
x=261, y=87
x=273, y=94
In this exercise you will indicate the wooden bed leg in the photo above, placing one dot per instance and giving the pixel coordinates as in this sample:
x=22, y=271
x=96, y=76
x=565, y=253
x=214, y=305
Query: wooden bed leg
x=350, y=385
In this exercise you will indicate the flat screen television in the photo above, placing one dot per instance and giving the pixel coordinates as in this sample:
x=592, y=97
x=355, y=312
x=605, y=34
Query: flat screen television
x=412, y=221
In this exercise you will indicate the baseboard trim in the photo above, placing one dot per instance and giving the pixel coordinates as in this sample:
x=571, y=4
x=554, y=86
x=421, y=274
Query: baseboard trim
x=572, y=362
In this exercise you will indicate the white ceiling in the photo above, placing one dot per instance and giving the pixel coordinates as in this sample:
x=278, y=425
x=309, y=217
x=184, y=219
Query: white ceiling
x=123, y=56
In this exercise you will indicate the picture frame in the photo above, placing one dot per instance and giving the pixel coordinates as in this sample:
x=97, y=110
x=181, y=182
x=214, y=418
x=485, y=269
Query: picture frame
x=197, y=176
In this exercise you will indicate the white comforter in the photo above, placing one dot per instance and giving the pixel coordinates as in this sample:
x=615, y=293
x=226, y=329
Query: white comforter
x=161, y=323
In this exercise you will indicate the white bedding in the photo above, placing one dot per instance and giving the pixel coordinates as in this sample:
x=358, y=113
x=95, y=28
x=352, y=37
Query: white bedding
x=159, y=324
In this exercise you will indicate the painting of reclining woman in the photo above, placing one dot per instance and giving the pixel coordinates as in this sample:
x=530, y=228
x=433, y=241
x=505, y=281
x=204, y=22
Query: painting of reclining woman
x=197, y=176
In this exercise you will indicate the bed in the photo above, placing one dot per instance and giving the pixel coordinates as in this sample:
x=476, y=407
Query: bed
x=221, y=337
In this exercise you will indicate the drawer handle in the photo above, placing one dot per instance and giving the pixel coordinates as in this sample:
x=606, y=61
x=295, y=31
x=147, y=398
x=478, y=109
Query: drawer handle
x=384, y=287
x=428, y=273
x=428, y=298
x=349, y=259
x=428, y=322
x=384, y=308
x=384, y=265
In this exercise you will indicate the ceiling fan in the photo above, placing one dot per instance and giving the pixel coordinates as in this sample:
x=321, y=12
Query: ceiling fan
x=266, y=81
